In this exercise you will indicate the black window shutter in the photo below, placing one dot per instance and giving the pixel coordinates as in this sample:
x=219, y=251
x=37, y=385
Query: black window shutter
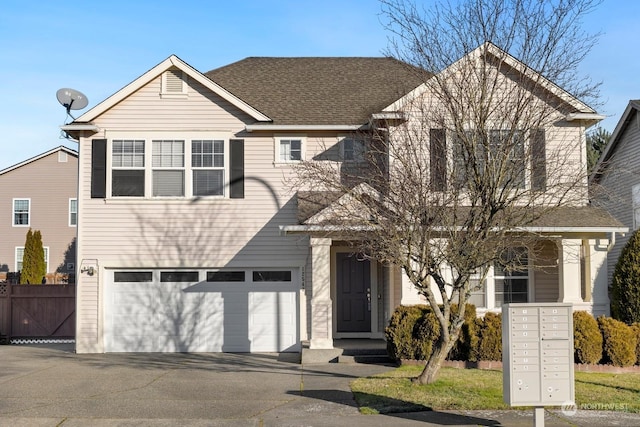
x=438, y=159
x=538, y=160
x=237, y=169
x=98, y=168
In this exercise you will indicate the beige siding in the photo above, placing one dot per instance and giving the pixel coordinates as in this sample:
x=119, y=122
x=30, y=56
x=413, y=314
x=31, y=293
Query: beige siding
x=184, y=233
x=546, y=276
x=620, y=177
x=49, y=184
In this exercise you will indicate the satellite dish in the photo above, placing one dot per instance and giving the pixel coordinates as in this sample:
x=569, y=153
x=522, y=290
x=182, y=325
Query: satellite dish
x=71, y=99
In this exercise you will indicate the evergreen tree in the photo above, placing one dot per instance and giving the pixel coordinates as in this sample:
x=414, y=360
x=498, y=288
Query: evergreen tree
x=597, y=139
x=40, y=264
x=33, y=263
x=625, y=285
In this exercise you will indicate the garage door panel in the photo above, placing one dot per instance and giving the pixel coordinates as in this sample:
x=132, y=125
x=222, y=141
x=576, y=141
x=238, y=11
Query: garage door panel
x=201, y=317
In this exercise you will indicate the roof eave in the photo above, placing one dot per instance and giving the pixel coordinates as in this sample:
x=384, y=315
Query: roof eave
x=301, y=128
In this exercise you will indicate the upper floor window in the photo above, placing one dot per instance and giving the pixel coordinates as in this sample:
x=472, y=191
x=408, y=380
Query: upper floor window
x=289, y=149
x=168, y=167
x=519, y=167
x=207, y=161
x=127, y=161
x=73, y=212
x=21, y=212
x=353, y=150
x=173, y=168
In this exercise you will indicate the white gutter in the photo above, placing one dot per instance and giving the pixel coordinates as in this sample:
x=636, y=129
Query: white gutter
x=257, y=127
x=584, y=116
x=78, y=127
x=293, y=229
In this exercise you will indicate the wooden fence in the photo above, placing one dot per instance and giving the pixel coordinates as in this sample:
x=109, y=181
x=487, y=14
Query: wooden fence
x=37, y=311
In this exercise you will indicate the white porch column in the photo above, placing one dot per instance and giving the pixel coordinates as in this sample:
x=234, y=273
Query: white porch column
x=597, y=267
x=321, y=304
x=569, y=269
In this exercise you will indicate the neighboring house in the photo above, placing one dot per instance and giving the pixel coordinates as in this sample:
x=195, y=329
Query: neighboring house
x=40, y=193
x=190, y=238
x=615, y=180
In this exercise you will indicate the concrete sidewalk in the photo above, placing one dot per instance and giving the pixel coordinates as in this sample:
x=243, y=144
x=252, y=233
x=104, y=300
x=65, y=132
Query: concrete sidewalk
x=52, y=386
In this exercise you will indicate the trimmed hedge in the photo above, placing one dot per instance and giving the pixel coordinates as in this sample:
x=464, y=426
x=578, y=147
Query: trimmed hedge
x=413, y=329
x=587, y=338
x=411, y=333
x=619, y=342
x=490, y=336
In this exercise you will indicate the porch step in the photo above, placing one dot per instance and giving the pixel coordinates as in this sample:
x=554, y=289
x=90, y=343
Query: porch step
x=374, y=359
x=363, y=351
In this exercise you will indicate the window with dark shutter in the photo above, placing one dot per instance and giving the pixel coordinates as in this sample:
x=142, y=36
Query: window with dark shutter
x=538, y=160
x=237, y=169
x=438, y=159
x=98, y=168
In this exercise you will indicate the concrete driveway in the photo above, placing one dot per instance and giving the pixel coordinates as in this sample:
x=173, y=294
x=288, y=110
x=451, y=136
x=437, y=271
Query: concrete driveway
x=52, y=386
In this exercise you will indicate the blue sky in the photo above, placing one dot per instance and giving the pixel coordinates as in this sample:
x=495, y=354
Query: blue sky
x=98, y=47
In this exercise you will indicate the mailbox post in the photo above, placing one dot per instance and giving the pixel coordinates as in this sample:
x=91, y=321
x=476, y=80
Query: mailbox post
x=537, y=356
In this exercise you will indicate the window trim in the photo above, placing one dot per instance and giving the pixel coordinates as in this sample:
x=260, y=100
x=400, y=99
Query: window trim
x=278, y=151
x=72, y=223
x=453, y=159
x=13, y=212
x=489, y=287
x=359, y=149
x=187, y=137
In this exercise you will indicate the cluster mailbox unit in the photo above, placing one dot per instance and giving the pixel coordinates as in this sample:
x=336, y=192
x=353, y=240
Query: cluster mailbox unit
x=537, y=354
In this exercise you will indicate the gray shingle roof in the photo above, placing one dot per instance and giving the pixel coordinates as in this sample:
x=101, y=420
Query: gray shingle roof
x=312, y=202
x=317, y=90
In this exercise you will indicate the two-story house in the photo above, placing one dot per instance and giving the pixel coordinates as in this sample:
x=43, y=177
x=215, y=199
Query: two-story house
x=615, y=182
x=40, y=193
x=191, y=238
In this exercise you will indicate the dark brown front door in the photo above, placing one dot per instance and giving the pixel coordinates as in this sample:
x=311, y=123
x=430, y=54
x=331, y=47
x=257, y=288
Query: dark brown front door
x=353, y=293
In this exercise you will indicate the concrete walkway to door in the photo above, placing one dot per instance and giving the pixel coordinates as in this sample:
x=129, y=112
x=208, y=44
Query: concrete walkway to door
x=52, y=386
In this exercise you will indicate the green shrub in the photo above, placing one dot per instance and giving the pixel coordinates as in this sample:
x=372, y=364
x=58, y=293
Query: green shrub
x=411, y=332
x=625, y=284
x=490, y=337
x=587, y=339
x=466, y=348
x=619, y=342
x=33, y=263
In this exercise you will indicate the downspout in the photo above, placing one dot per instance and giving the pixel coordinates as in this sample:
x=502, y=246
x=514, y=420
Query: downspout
x=612, y=241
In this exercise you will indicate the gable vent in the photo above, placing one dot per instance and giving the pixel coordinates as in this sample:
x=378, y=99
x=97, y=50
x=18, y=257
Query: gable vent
x=173, y=81
x=62, y=157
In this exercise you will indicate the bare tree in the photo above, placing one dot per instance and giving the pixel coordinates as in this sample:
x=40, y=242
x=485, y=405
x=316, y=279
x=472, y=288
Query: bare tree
x=483, y=151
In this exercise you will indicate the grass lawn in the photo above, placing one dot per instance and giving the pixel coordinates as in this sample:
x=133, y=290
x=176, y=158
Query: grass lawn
x=482, y=389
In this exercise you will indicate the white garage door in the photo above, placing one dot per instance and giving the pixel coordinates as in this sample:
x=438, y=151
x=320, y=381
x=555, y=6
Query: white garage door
x=201, y=311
